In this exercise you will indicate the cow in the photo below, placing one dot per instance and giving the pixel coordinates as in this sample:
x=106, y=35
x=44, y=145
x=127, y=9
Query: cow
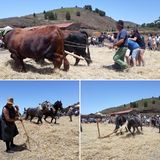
x=37, y=43
x=77, y=42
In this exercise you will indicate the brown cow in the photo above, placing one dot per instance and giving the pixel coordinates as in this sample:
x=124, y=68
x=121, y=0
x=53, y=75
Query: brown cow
x=37, y=43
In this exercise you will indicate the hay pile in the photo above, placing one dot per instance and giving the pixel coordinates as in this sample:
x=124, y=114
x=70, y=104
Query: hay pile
x=102, y=57
x=51, y=141
x=119, y=147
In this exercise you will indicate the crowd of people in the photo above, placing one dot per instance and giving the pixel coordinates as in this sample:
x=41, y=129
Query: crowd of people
x=130, y=46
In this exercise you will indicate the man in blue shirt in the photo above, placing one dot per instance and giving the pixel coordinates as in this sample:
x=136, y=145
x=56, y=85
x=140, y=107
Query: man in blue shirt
x=122, y=44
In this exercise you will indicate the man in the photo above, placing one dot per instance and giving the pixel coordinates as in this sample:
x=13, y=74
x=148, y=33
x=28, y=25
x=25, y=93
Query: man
x=8, y=127
x=122, y=44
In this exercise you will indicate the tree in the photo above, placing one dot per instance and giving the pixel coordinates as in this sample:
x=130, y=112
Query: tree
x=100, y=12
x=143, y=25
x=34, y=15
x=78, y=13
x=145, y=104
x=153, y=102
x=88, y=7
x=134, y=105
x=68, y=16
x=55, y=16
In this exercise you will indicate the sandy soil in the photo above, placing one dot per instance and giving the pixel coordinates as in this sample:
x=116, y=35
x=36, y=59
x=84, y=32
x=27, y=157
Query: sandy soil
x=119, y=147
x=49, y=141
x=102, y=57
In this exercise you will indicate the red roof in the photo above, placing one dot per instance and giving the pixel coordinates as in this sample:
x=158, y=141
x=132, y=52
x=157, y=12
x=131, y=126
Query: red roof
x=121, y=112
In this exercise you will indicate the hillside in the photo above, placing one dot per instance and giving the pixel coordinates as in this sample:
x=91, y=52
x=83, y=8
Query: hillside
x=89, y=18
x=149, y=105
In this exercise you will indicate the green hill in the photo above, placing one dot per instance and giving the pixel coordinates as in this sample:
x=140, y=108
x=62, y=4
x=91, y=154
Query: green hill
x=148, y=105
x=87, y=17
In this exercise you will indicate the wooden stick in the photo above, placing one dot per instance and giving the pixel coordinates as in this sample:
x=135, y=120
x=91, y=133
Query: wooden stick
x=26, y=134
x=75, y=56
x=98, y=130
x=109, y=134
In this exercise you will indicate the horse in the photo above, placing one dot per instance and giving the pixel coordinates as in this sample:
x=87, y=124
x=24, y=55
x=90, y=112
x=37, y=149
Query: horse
x=52, y=111
x=34, y=112
x=119, y=122
x=134, y=122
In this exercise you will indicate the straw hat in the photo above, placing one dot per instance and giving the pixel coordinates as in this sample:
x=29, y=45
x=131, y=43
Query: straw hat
x=10, y=101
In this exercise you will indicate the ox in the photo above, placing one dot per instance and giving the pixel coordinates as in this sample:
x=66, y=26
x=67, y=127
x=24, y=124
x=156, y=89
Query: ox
x=77, y=42
x=37, y=43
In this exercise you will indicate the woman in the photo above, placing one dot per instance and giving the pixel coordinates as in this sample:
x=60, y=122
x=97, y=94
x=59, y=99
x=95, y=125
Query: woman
x=137, y=38
x=8, y=127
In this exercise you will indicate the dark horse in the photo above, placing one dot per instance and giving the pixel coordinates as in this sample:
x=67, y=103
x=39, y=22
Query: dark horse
x=119, y=122
x=134, y=122
x=52, y=111
x=35, y=112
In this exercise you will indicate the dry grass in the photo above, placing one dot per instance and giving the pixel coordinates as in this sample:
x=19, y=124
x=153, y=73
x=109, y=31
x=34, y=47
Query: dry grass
x=102, y=57
x=51, y=141
x=119, y=147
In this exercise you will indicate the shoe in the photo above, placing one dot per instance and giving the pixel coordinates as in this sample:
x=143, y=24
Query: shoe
x=9, y=151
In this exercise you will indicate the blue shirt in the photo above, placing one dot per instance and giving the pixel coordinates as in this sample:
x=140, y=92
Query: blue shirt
x=132, y=45
x=123, y=35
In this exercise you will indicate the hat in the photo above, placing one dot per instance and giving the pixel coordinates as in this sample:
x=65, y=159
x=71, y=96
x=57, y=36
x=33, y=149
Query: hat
x=121, y=23
x=10, y=101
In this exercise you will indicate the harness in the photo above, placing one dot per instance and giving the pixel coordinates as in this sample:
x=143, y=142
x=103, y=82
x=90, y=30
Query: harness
x=74, y=44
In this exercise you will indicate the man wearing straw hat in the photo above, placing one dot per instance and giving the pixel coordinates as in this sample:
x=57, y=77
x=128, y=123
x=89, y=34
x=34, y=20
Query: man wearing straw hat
x=8, y=127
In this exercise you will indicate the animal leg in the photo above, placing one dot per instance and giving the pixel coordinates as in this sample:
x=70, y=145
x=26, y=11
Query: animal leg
x=77, y=61
x=45, y=118
x=66, y=64
x=70, y=118
x=51, y=119
x=55, y=121
x=31, y=118
x=57, y=62
x=138, y=130
x=133, y=130
x=40, y=120
x=19, y=62
x=88, y=60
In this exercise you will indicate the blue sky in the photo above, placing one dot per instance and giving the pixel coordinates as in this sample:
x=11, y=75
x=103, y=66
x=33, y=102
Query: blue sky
x=99, y=95
x=31, y=93
x=139, y=11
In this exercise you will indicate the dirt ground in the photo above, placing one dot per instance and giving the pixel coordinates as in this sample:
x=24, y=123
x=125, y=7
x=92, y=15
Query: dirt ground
x=119, y=147
x=48, y=141
x=101, y=57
